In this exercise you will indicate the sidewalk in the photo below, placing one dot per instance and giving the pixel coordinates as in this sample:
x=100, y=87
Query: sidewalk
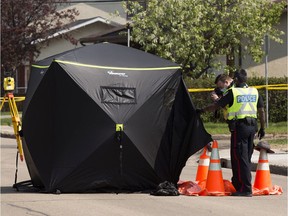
x=6, y=131
x=278, y=161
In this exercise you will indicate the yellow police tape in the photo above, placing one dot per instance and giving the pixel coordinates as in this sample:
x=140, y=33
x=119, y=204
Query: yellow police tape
x=269, y=87
x=17, y=99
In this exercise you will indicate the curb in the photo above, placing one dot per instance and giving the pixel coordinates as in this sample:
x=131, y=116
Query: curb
x=267, y=136
x=5, y=134
x=274, y=169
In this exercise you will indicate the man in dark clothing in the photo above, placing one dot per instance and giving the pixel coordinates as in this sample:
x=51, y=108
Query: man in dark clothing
x=223, y=83
x=243, y=103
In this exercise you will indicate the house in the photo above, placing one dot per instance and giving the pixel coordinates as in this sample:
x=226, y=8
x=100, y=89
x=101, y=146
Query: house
x=90, y=20
x=94, y=25
x=277, y=56
x=118, y=35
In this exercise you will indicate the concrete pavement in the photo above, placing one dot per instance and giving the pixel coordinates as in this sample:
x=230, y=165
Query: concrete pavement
x=136, y=204
x=7, y=131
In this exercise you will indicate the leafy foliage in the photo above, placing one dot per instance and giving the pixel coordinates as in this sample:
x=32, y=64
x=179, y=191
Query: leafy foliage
x=194, y=32
x=23, y=23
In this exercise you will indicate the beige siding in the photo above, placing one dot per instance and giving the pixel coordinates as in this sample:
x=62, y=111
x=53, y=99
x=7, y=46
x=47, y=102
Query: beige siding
x=277, y=58
x=58, y=45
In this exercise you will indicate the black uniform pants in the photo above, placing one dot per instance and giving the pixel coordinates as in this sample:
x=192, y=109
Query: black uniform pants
x=241, y=152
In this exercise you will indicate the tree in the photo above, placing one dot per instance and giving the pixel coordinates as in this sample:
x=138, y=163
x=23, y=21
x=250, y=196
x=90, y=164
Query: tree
x=194, y=32
x=24, y=23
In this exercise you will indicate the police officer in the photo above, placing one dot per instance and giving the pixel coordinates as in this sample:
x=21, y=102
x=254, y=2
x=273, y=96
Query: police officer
x=243, y=103
x=223, y=82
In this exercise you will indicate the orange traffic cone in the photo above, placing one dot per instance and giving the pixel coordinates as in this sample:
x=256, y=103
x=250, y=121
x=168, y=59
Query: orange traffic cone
x=262, y=178
x=214, y=182
x=203, y=166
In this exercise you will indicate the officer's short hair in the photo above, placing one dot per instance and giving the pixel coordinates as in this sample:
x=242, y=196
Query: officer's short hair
x=222, y=78
x=241, y=75
x=217, y=78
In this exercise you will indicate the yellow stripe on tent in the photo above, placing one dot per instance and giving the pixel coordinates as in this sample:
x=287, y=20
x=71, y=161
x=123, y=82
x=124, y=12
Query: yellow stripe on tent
x=40, y=66
x=115, y=68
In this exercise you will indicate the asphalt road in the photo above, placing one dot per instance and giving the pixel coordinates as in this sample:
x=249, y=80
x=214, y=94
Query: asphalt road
x=38, y=204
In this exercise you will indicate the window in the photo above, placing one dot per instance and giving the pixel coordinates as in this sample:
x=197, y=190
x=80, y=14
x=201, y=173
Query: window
x=118, y=95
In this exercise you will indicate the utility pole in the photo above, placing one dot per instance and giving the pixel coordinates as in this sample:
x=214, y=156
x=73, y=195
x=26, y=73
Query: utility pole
x=267, y=47
x=128, y=25
x=128, y=34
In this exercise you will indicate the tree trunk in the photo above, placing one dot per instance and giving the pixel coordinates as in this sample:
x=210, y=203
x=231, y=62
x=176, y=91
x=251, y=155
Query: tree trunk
x=230, y=62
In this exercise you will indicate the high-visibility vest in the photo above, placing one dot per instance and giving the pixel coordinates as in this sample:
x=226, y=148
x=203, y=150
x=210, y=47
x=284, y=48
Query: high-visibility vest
x=244, y=104
x=225, y=109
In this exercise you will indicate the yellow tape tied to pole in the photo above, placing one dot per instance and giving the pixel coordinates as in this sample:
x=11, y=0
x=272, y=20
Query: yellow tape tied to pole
x=269, y=87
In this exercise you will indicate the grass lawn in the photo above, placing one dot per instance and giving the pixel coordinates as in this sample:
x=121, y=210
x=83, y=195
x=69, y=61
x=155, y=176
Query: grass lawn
x=279, y=144
x=7, y=121
x=277, y=128
x=274, y=128
x=222, y=128
x=4, y=113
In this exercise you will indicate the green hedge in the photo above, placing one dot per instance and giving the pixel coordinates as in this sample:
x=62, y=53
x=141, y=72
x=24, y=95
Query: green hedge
x=277, y=98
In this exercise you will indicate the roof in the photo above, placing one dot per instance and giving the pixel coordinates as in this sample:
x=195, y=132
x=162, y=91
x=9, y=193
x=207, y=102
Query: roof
x=115, y=35
x=86, y=12
x=87, y=16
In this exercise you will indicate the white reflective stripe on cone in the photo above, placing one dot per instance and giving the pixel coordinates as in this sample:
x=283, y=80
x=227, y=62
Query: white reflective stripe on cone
x=215, y=154
x=215, y=166
x=204, y=162
x=263, y=166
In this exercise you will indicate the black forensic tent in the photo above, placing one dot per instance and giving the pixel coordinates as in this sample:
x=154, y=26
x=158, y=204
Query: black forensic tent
x=37, y=72
x=108, y=117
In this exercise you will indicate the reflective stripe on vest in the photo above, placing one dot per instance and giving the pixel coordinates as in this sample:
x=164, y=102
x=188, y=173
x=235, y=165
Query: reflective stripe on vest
x=225, y=109
x=244, y=104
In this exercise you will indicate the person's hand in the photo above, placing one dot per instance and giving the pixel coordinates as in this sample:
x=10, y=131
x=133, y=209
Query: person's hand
x=214, y=96
x=199, y=111
x=261, y=133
